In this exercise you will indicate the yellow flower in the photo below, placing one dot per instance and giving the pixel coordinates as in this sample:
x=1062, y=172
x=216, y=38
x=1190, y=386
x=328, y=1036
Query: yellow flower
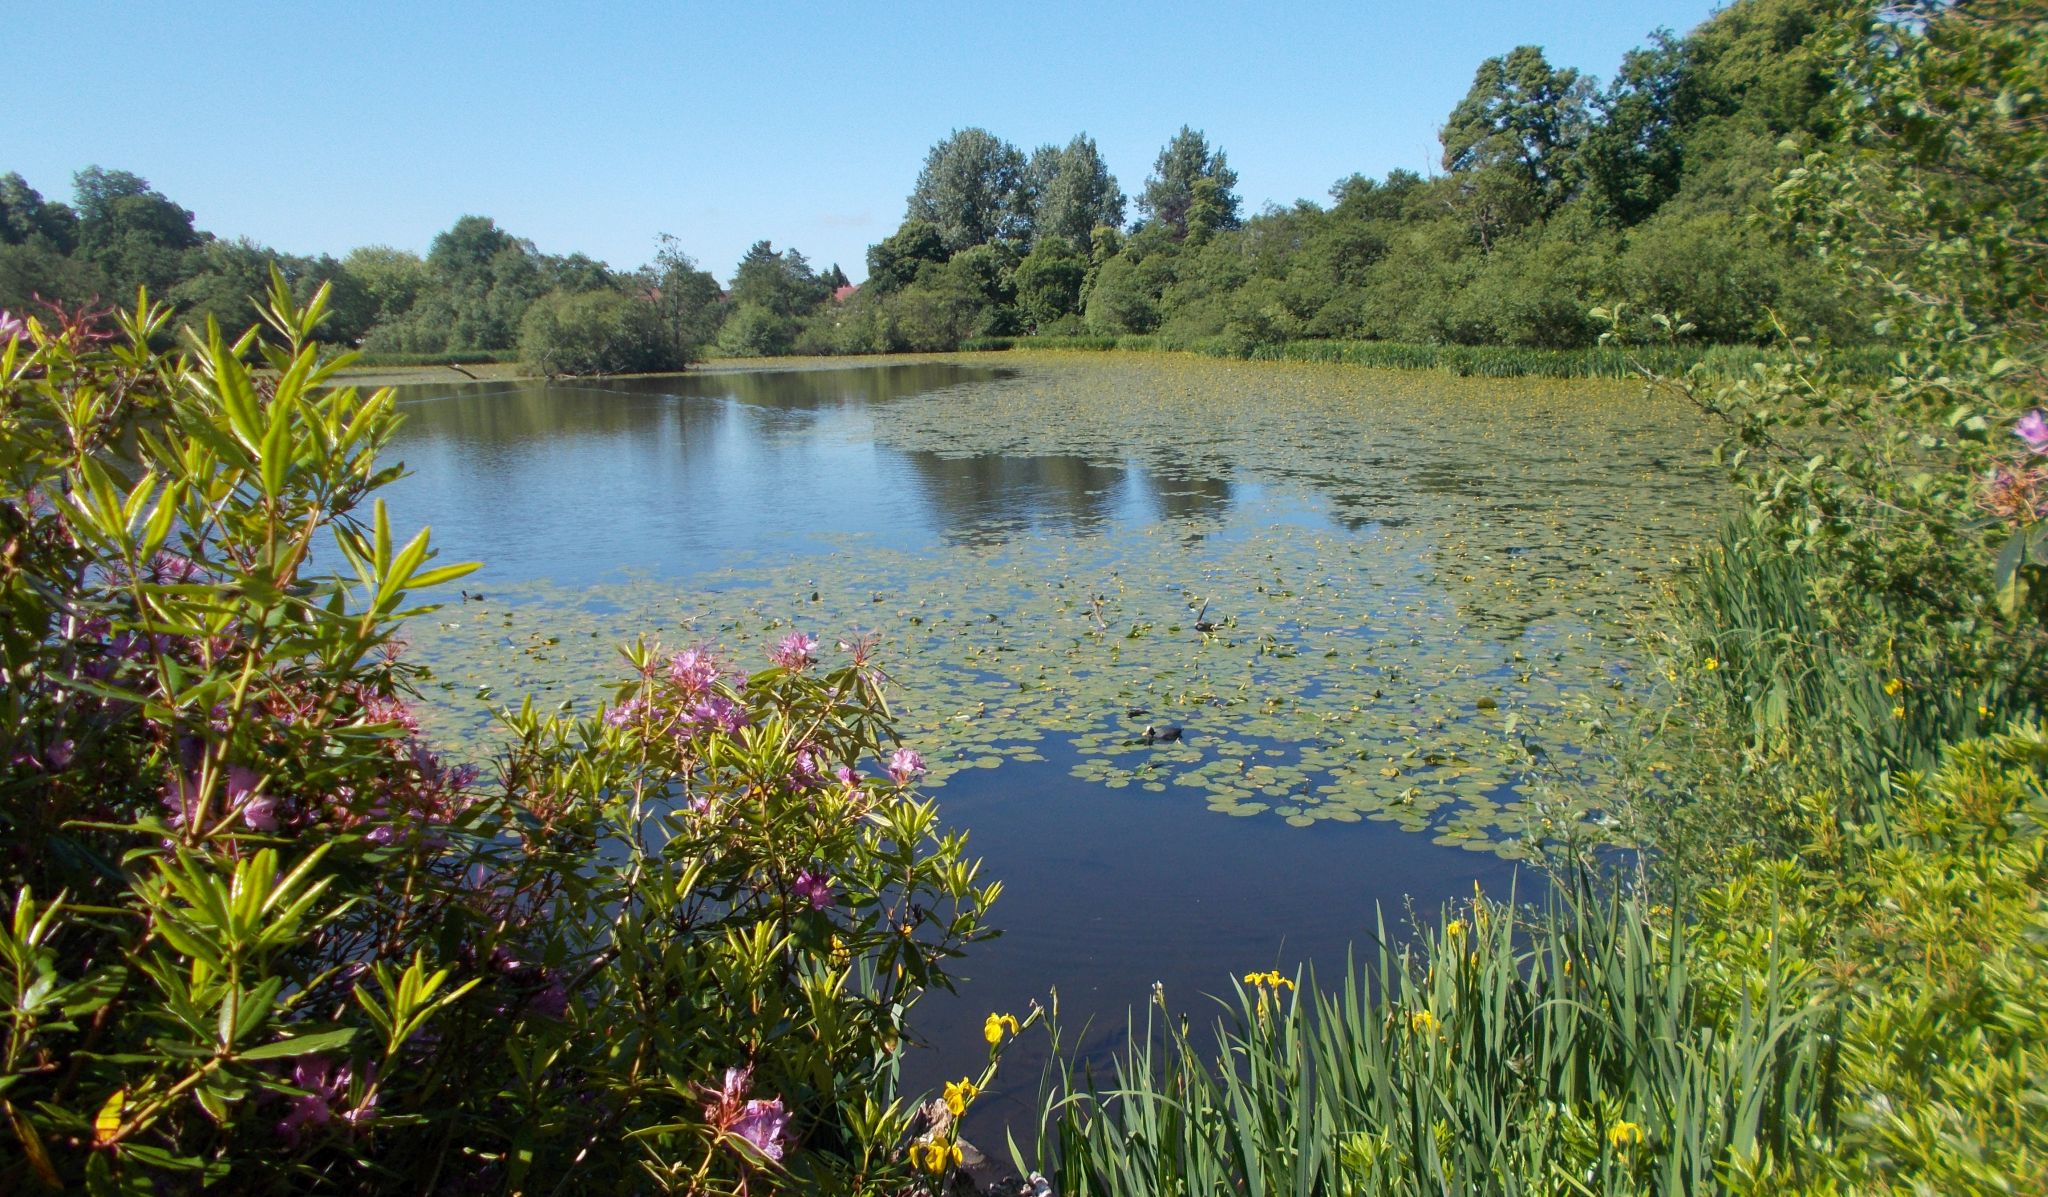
x=1893, y=687
x=1269, y=980
x=1623, y=1135
x=1712, y=664
x=1899, y=712
x=1421, y=1021
x=992, y=1030
x=1455, y=929
x=960, y=1094
x=934, y=1157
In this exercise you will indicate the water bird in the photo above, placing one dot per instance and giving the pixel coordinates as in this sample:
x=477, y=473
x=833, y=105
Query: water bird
x=1160, y=735
x=1202, y=623
x=467, y=597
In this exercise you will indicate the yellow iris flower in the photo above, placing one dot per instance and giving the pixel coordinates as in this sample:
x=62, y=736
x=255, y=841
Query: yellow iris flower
x=934, y=1158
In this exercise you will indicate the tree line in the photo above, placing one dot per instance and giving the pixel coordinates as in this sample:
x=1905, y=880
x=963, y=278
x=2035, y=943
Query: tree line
x=1556, y=194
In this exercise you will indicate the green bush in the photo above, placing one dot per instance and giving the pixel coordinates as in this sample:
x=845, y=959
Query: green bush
x=259, y=937
x=597, y=332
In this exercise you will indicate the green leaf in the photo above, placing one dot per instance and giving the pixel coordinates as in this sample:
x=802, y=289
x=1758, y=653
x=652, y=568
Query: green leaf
x=302, y=1045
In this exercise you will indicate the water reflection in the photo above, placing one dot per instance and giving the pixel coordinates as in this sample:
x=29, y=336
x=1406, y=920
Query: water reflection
x=676, y=475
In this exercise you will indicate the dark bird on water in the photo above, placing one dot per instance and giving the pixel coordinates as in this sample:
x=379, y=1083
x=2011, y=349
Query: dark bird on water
x=1160, y=735
x=467, y=597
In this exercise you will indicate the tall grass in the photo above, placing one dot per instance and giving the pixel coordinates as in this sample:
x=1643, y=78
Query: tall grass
x=1577, y=1054
x=1482, y=361
x=1786, y=712
x=472, y=357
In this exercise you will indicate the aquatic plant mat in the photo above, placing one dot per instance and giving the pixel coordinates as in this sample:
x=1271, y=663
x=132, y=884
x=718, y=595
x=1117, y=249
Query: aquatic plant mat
x=1359, y=594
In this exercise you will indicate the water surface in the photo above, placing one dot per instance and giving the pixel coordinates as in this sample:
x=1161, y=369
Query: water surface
x=1381, y=606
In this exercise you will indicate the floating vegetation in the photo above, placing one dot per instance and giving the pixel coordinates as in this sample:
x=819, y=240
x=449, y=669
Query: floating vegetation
x=1357, y=595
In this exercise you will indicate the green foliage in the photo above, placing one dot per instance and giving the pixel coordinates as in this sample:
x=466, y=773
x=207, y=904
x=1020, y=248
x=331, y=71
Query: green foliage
x=1580, y=1053
x=1191, y=191
x=394, y=278
x=27, y=218
x=259, y=937
x=1073, y=192
x=782, y=284
x=894, y=261
x=689, y=301
x=131, y=232
x=1515, y=139
x=972, y=190
x=1049, y=282
x=754, y=330
x=596, y=332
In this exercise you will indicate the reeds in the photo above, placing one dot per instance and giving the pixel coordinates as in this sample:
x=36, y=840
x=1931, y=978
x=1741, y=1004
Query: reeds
x=1481, y=361
x=1578, y=1053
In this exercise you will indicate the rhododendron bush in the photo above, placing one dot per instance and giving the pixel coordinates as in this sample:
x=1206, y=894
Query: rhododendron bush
x=257, y=933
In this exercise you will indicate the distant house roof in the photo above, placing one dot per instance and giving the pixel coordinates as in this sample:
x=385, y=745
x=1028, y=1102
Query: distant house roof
x=841, y=294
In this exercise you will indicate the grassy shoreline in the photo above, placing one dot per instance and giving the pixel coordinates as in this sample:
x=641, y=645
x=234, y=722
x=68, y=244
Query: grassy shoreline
x=1481, y=361
x=1475, y=361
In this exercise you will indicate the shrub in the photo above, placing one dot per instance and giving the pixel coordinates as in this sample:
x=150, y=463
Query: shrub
x=597, y=332
x=257, y=935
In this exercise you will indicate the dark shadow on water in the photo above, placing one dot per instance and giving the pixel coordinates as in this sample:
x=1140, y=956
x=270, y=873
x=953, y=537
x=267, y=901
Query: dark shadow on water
x=1107, y=891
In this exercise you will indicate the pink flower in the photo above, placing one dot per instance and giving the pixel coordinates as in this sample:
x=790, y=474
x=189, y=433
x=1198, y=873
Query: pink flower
x=626, y=713
x=716, y=711
x=762, y=1123
x=181, y=795
x=260, y=813
x=692, y=670
x=2033, y=429
x=803, y=771
x=797, y=652
x=390, y=710
x=325, y=1088
x=815, y=888
x=905, y=765
x=12, y=328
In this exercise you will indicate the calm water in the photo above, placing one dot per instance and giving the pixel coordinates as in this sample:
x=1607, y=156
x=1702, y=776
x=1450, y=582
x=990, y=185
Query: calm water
x=1457, y=532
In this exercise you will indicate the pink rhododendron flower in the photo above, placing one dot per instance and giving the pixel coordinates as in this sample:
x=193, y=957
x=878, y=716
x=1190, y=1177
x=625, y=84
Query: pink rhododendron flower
x=804, y=773
x=762, y=1123
x=2033, y=429
x=815, y=888
x=325, y=1086
x=692, y=670
x=905, y=765
x=626, y=713
x=797, y=652
x=716, y=711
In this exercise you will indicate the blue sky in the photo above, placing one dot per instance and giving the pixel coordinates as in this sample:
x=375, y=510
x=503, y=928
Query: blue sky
x=594, y=127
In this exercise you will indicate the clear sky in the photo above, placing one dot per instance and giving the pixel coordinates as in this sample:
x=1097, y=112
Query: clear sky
x=593, y=127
